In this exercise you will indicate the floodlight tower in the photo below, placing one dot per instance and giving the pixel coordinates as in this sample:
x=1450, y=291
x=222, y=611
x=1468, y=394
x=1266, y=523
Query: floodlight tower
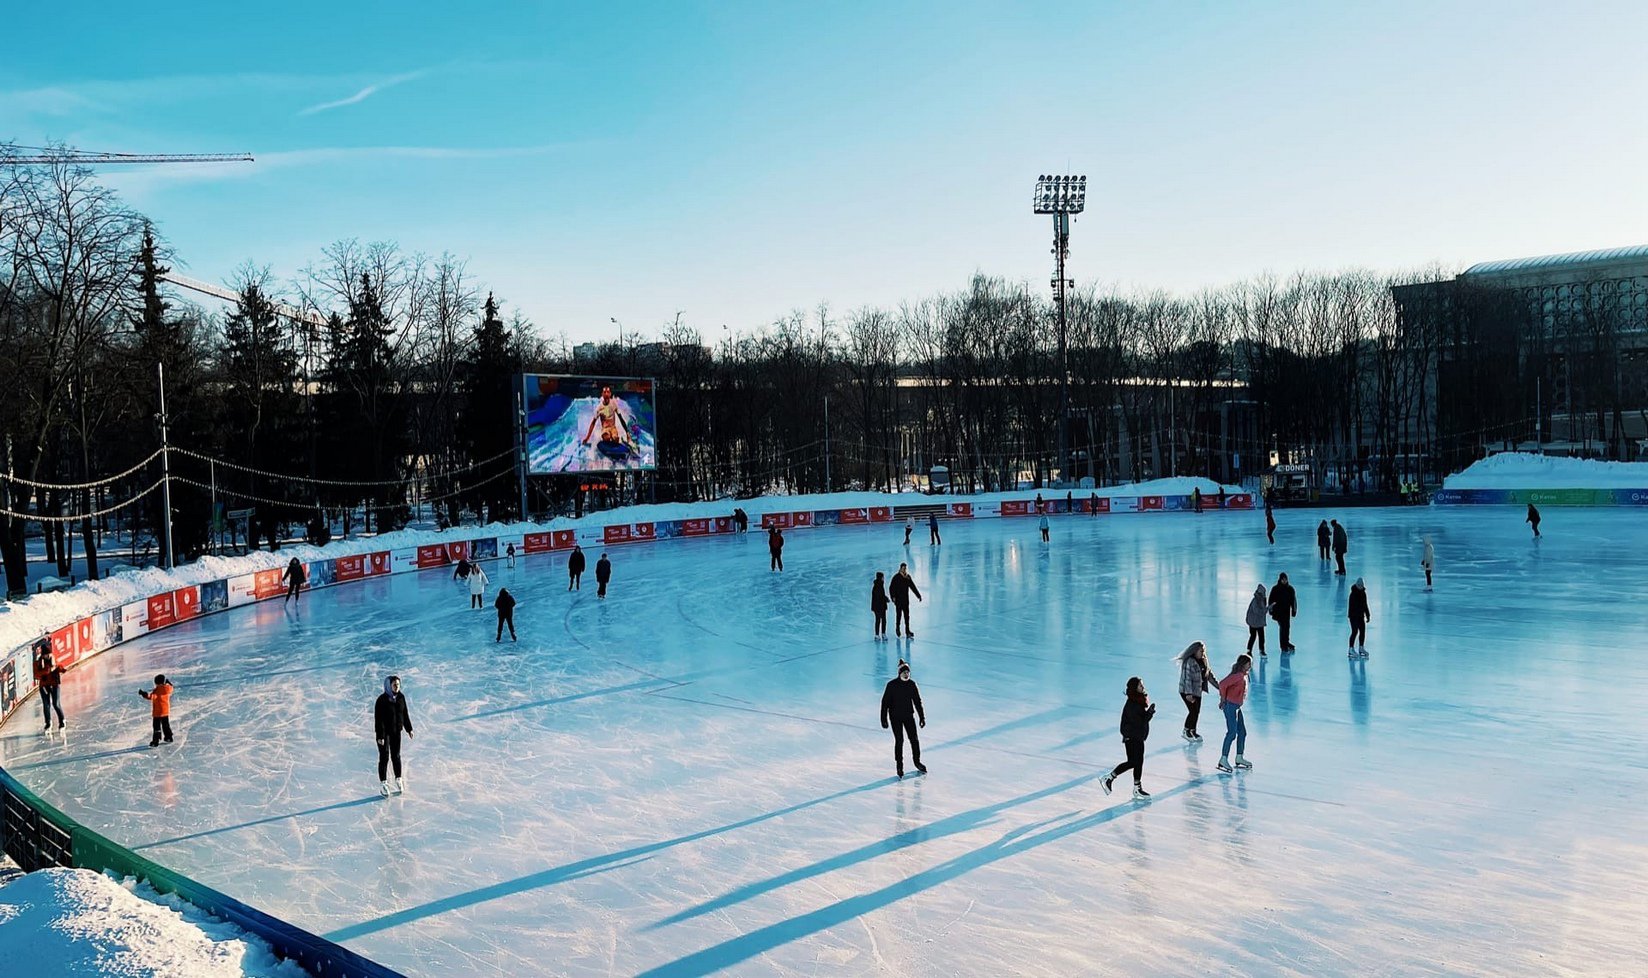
x=1061, y=196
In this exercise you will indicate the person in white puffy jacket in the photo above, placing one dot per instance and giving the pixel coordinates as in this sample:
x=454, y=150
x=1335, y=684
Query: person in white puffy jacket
x=477, y=586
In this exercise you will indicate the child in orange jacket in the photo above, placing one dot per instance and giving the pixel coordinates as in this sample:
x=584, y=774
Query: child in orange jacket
x=160, y=701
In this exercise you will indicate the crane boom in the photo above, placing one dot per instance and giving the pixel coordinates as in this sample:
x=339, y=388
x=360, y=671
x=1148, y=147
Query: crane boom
x=310, y=316
x=67, y=155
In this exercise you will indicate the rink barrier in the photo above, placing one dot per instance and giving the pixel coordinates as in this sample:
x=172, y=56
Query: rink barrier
x=38, y=836
x=1541, y=497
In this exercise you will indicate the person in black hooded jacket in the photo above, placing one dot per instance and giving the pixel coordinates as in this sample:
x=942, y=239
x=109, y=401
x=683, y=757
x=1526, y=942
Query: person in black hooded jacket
x=878, y=605
x=1136, y=716
x=390, y=717
x=603, y=576
x=1284, y=604
x=295, y=577
x=505, y=603
x=575, y=569
x=901, y=708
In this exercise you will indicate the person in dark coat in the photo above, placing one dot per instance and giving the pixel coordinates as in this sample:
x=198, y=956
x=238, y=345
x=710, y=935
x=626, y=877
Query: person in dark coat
x=878, y=606
x=933, y=538
x=1533, y=518
x=1324, y=540
x=461, y=571
x=48, y=675
x=1284, y=604
x=1221, y=496
x=603, y=574
x=899, y=590
x=1196, y=498
x=390, y=717
x=1136, y=715
x=1341, y=543
x=901, y=710
x=775, y=548
x=505, y=603
x=1359, y=616
x=1093, y=505
x=575, y=569
x=1041, y=507
x=1270, y=520
x=295, y=577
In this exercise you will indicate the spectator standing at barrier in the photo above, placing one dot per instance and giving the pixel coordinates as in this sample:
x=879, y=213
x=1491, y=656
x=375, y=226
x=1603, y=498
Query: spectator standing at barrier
x=901, y=710
x=477, y=586
x=390, y=717
x=295, y=577
x=1284, y=604
x=933, y=539
x=48, y=675
x=505, y=603
x=1324, y=540
x=575, y=569
x=160, y=709
x=1341, y=543
x=603, y=574
x=878, y=605
x=899, y=590
x=775, y=548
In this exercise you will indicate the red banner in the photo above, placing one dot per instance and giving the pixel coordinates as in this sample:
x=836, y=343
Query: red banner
x=723, y=524
x=615, y=534
x=644, y=531
x=379, y=564
x=267, y=584
x=1149, y=503
x=695, y=528
x=160, y=610
x=457, y=550
x=801, y=519
x=65, y=650
x=1101, y=504
x=87, y=633
x=350, y=568
x=779, y=520
x=881, y=514
x=1240, y=500
x=186, y=603
x=433, y=555
x=961, y=511
x=850, y=516
x=1015, y=507
x=537, y=543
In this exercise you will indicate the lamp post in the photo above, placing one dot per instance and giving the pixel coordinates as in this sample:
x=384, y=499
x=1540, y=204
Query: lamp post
x=1061, y=196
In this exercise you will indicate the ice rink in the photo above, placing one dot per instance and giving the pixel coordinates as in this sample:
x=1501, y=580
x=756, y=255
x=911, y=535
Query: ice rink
x=690, y=778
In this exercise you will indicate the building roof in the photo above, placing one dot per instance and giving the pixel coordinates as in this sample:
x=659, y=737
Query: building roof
x=1574, y=260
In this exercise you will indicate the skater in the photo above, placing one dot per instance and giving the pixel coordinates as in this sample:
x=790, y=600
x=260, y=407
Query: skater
x=1324, y=539
x=1284, y=604
x=390, y=717
x=461, y=571
x=1093, y=505
x=1221, y=496
x=510, y=553
x=1196, y=498
x=505, y=603
x=1533, y=519
x=1428, y=561
x=160, y=709
x=575, y=569
x=909, y=527
x=1232, y=691
x=1069, y=502
x=603, y=574
x=1341, y=543
x=775, y=547
x=1256, y=619
x=899, y=590
x=878, y=606
x=48, y=675
x=1044, y=528
x=295, y=577
x=1359, y=620
x=742, y=518
x=1136, y=714
x=1270, y=521
x=933, y=538
x=1195, y=678
x=1041, y=507
x=901, y=704
x=477, y=586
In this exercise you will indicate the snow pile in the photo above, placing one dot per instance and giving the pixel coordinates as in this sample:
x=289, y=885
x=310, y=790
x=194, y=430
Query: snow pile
x=1522, y=470
x=68, y=923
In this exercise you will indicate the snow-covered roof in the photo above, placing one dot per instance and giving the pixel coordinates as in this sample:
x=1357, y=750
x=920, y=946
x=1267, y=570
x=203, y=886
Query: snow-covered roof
x=1563, y=262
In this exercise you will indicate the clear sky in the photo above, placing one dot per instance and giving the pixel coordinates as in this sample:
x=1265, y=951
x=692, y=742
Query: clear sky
x=736, y=161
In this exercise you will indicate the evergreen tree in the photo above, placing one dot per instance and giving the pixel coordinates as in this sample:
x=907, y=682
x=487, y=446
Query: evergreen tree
x=487, y=423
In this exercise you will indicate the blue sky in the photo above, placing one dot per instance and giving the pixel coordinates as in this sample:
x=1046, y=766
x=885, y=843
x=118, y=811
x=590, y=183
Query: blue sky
x=737, y=161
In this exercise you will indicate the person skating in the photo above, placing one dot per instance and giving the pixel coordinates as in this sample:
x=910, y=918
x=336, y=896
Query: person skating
x=510, y=553
x=461, y=571
x=1533, y=519
x=1093, y=505
x=901, y=710
x=1136, y=715
x=295, y=577
x=743, y=519
x=1256, y=609
x=390, y=717
x=1359, y=620
x=1221, y=495
x=909, y=528
x=1270, y=520
x=878, y=606
x=505, y=603
x=1195, y=678
x=933, y=539
x=477, y=586
x=1284, y=604
x=900, y=589
x=1324, y=540
x=1041, y=507
x=48, y=675
x=1069, y=502
x=1427, y=560
x=1341, y=543
x=575, y=569
x=775, y=548
x=603, y=574
x=1044, y=528
x=160, y=709
x=1196, y=498
x=1232, y=693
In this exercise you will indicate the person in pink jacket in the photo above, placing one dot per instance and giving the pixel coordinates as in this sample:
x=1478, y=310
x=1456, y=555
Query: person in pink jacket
x=1232, y=693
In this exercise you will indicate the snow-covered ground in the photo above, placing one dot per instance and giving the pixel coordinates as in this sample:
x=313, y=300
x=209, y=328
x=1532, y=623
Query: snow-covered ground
x=74, y=923
x=689, y=777
x=1521, y=470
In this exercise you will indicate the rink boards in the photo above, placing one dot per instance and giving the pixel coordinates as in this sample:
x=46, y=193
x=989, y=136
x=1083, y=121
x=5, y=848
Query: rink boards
x=1541, y=497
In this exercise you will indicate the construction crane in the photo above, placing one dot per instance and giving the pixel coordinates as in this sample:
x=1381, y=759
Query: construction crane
x=68, y=154
x=306, y=315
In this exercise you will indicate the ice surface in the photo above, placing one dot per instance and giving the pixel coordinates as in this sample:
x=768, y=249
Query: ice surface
x=689, y=777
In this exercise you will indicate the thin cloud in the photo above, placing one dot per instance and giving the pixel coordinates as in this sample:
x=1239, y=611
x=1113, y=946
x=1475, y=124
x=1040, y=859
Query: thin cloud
x=365, y=93
x=155, y=178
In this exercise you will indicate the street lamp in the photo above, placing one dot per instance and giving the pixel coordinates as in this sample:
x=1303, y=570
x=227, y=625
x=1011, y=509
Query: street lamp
x=1061, y=196
x=620, y=326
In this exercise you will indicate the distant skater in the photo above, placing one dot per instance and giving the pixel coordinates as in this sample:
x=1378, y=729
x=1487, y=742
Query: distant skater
x=909, y=527
x=899, y=590
x=1232, y=693
x=461, y=571
x=505, y=603
x=160, y=709
x=1284, y=604
x=48, y=675
x=1324, y=540
x=295, y=577
x=1196, y=499
x=510, y=553
x=1221, y=495
x=1093, y=505
x=1136, y=715
x=1359, y=620
x=1533, y=519
x=477, y=586
x=603, y=574
x=391, y=717
x=1427, y=560
x=1044, y=528
x=878, y=605
x=1195, y=679
x=775, y=547
x=1256, y=608
x=901, y=710
x=1341, y=543
x=575, y=569
x=1270, y=520
x=1041, y=507
x=933, y=539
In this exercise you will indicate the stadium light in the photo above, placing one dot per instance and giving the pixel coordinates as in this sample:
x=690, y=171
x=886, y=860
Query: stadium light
x=1061, y=196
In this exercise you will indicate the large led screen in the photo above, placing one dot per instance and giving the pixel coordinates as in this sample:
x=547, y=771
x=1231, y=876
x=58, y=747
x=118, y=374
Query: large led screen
x=589, y=424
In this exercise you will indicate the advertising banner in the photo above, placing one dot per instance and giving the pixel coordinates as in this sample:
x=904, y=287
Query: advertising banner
x=85, y=635
x=695, y=528
x=778, y=520
x=268, y=583
x=644, y=531
x=214, y=596
x=851, y=517
x=161, y=611
x=1101, y=504
x=1240, y=500
x=351, y=568
x=961, y=511
x=1149, y=503
x=801, y=519
x=185, y=603
x=881, y=514
x=432, y=555
x=537, y=543
x=320, y=573
x=457, y=550
x=135, y=619
x=824, y=517
x=615, y=534
x=589, y=424
x=8, y=679
x=65, y=646
x=378, y=563
x=722, y=524
x=407, y=559
x=1015, y=507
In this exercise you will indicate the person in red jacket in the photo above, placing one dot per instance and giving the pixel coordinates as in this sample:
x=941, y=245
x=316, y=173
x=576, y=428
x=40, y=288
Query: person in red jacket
x=1232, y=694
x=48, y=675
x=160, y=703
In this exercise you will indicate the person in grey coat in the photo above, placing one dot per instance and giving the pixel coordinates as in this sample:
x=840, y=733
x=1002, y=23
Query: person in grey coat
x=1195, y=678
x=1256, y=619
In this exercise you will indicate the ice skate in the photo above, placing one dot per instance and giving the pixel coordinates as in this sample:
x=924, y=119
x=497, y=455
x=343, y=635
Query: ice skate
x=1105, y=783
x=1361, y=653
x=1350, y=654
x=1224, y=767
x=1195, y=736
x=400, y=783
x=1189, y=735
x=921, y=767
x=383, y=787
x=1139, y=794
x=1244, y=763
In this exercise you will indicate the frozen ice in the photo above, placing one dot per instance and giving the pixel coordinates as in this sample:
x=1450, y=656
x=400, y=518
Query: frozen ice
x=689, y=777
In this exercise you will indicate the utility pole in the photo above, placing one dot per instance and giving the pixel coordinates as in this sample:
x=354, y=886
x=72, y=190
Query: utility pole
x=1061, y=196
x=826, y=443
x=165, y=471
x=520, y=445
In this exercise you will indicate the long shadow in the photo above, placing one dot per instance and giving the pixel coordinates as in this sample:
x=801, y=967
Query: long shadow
x=642, y=684
x=257, y=821
x=571, y=871
x=80, y=757
x=1019, y=840
x=932, y=830
x=246, y=677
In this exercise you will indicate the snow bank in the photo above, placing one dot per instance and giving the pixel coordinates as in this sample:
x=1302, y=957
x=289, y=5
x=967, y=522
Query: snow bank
x=1521, y=470
x=68, y=923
